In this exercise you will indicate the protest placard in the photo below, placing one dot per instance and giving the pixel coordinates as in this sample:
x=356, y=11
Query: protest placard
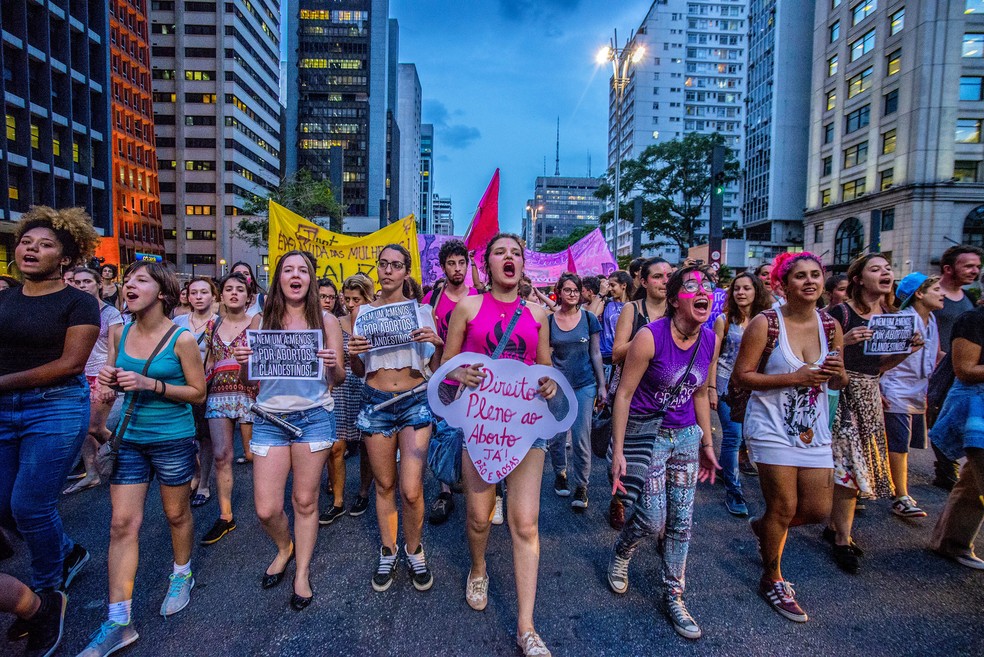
x=388, y=326
x=503, y=416
x=891, y=334
x=285, y=355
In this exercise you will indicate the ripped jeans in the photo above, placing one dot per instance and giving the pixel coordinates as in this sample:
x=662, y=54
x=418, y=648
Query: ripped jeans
x=666, y=506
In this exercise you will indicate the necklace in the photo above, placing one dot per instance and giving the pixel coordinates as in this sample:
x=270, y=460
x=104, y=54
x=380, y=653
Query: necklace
x=685, y=336
x=197, y=328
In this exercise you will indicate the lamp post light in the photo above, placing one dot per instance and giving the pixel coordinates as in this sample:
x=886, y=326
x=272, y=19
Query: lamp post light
x=621, y=59
x=266, y=275
x=534, y=214
x=222, y=262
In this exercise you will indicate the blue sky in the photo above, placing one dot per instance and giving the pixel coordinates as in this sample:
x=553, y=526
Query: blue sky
x=496, y=75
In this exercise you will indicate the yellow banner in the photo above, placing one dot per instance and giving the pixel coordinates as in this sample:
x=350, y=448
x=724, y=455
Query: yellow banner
x=339, y=256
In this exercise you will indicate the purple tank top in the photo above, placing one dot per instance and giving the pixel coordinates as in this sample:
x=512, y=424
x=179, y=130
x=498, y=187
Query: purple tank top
x=483, y=333
x=665, y=369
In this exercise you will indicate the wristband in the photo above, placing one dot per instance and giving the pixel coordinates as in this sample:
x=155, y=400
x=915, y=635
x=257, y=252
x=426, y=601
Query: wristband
x=705, y=445
x=163, y=389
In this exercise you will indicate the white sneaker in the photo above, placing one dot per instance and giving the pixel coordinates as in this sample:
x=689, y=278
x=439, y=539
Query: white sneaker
x=970, y=561
x=497, y=516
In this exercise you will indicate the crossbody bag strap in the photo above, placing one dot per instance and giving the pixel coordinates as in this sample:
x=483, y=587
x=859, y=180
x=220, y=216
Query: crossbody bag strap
x=117, y=436
x=504, y=340
x=686, y=373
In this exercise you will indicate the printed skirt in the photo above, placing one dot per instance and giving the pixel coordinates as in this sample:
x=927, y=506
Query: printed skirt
x=860, y=444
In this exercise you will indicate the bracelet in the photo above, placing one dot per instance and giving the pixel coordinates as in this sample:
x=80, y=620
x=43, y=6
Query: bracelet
x=711, y=388
x=163, y=388
x=706, y=445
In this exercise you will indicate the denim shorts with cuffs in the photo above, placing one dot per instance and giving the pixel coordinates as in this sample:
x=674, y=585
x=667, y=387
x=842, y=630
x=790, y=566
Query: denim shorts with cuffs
x=411, y=411
x=172, y=462
x=317, y=425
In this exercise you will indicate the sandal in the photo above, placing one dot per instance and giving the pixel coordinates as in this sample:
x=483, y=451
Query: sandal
x=198, y=500
x=81, y=485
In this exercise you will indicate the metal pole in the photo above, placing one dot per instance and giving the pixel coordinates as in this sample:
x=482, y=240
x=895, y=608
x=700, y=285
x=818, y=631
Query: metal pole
x=716, y=213
x=637, y=227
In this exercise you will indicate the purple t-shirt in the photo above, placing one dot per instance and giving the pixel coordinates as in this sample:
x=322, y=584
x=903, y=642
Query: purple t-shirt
x=667, y=366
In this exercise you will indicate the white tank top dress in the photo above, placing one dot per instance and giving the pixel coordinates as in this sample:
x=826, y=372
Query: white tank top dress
x=789, y=426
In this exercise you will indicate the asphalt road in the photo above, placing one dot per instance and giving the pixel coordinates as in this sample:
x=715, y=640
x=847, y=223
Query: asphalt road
x=906, y=601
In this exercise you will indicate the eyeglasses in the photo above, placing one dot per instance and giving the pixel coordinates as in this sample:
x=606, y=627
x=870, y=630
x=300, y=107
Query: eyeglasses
x=570, y=290
x=327, y=297
x=691, y=286
x=395, y=266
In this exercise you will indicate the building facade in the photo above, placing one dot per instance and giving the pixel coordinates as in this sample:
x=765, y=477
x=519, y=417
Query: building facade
x=443, y=216
x=896, y=144
x=425, y=220
x=56, y=82
x=137, y=226
x=560, y=205
x=776, y=127
x=216, y=83
x=408, y=118
x=691, y=79
x=339, y=54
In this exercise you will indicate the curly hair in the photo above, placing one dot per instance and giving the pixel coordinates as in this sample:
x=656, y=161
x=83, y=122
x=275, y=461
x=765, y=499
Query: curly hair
x=72, y=228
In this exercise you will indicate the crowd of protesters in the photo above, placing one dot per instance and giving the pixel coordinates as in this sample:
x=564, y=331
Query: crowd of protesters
x=135, y=378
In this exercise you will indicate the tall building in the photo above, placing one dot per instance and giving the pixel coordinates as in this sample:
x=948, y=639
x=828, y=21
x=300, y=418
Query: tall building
x=340, y=96
x=443, y=216
x=137, y=226
x=424, y=222
x=216, y=82
x=408, y=118
x=692, y=79
x=776, y=126
x=55, y=84
x=895, y=139
x=561, y=204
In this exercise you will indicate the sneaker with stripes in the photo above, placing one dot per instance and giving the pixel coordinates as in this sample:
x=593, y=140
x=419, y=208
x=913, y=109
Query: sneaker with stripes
x=781, y=597
x=905, y=507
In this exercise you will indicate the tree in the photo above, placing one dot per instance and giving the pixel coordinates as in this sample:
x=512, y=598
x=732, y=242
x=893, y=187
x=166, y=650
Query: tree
x=558, y=244
x=300, y=193
x=674, y=180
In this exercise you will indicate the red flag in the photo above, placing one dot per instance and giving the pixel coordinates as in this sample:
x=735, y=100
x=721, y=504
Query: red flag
x=571, y=267
x=485, y=224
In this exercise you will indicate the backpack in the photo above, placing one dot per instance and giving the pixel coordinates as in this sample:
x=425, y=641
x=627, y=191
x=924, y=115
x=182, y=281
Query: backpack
x=737, y=396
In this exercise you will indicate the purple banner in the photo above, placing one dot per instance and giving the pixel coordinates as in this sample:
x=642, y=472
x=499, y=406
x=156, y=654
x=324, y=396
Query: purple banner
x=591, y=258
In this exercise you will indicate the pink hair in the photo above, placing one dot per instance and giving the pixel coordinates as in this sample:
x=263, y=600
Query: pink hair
x=785, y=261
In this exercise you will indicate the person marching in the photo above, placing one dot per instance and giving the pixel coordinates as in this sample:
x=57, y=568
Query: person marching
x=620, y=285
x=110, y=291
x=661, y=406
x=284, y=405
x=787, y=357
x=453, y=257
x=159, y=366
x=229, y=399
x=476, y=325
x=256, y=294
x=747, y=297
x=49, y=330
x=393, y=375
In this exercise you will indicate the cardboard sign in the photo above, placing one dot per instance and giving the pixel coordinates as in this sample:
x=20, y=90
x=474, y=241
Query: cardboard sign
x=388, y=326
x=504, y=415
x=285, y=355
x=891, y=334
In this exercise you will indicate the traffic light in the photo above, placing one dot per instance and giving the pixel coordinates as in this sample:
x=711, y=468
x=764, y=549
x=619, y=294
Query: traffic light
x=719, y=183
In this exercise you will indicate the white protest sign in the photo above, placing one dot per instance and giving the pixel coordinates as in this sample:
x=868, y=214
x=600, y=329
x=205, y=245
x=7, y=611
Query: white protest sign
x=388, y=326
x=504, y=415
x=285, y=355
x=891, y=334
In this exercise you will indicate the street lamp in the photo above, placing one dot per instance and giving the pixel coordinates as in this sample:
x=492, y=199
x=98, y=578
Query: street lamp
x=266, y=274
x=222, y=261
x=621, y=59
x=534, y=213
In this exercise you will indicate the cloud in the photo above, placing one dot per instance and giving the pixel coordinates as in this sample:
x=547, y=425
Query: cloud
x=451, y=135
x=522, y=10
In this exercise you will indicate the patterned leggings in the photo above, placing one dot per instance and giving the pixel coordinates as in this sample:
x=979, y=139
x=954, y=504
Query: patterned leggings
x=666, y=506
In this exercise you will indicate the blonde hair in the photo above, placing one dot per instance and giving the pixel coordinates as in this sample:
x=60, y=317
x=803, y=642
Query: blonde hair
x=361, y=284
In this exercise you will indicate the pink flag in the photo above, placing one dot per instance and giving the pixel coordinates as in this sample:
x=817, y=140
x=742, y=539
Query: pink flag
x=571, y=267
x=485, y=224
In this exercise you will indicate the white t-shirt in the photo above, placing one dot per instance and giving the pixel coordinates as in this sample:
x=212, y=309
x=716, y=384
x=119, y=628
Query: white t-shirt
x=108, y=316
x=904, y=387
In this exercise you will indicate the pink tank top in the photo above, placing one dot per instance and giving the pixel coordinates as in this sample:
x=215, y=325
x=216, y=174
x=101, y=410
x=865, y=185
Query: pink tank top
x=482, y=334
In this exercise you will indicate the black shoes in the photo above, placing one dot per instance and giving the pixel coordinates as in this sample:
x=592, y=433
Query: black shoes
x=331, y=515
x=580, y=501
x=441, y=509
x=299, y=602
x=218, y=530
x=271, y=580
x=847, y=557
x=561, y=486
x=360, y=506
x=44, y=629
x=74, y=562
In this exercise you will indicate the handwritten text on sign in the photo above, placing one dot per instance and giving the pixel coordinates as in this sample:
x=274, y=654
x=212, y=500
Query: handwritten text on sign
x=285, y=355
x=891, y=334
x=388, y=326
x=504, y=415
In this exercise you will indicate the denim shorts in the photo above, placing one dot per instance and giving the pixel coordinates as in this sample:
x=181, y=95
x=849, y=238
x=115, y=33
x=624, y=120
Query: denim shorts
x=905, y=431
x=318, y=425
x=411, y=411
x=171, y=461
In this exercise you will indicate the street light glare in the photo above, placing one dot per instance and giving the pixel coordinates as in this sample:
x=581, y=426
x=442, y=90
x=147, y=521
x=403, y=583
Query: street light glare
x=604, y=55
x=638, y=54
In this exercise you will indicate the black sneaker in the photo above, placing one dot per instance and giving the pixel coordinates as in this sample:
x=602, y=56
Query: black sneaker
x=17, y=630
x=385, y=570
x=847, y=558
x=45, y=627
x=830, y=536
x=560, y=485
x=580, y=500
x=6, y=549
x=73, y=564
x=441, y=509
x=218, y=530
x=331, y=515
x=420, y=574
x=360, y=506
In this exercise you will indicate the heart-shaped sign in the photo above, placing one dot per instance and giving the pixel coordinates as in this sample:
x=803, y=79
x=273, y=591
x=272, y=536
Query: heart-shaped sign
x=503, y=416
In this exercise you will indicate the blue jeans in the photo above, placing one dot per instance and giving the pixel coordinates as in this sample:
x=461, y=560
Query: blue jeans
x=665, y=507
x=580, y=440
x=41, y=433
x=730, y=442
